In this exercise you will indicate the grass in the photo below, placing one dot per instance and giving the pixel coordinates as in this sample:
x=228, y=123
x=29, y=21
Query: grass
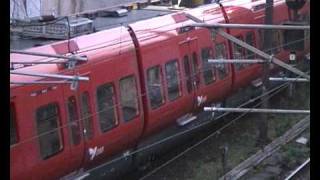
x=204, y=162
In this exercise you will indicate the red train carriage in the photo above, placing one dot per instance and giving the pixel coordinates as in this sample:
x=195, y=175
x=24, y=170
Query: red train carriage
x=108, y=106
x=147, y=81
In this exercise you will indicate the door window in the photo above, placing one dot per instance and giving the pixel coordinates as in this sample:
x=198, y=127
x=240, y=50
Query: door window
x=129, y=99
x=195, y=74
x=221, y=54
x=74, y=124
x=47, y=119
x=187, y=73
x=173, y=81
x=208, y=70
x=86, y=115
x=238, y=54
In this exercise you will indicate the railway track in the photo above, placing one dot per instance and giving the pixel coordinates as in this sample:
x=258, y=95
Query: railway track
x=170, y=172
x=301, y=172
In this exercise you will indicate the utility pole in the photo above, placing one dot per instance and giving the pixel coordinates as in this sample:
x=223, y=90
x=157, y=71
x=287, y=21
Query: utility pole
x=267, y=44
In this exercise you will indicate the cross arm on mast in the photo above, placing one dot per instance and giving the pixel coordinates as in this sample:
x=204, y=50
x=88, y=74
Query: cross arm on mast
x=49, y=55
x=262, y=54
x=272, y=59
x=58, y=76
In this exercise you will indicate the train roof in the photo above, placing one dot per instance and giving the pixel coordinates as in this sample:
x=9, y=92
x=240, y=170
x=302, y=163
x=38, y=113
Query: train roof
x=117, y=39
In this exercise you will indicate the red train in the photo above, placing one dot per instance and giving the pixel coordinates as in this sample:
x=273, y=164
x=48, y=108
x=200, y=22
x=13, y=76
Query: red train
x=147, y=81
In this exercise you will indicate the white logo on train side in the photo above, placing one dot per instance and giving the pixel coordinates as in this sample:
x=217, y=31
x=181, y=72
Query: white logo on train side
x=93, y=152
x=201, y=99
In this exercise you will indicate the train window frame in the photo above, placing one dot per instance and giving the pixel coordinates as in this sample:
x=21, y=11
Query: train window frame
x=114, y=106
x=73, y=121
x=13, y=125
x=220, y=67
x=155, y=106
x=88, y=132
x=238, y=67
x=210, y=68
x=136, y=97
x=178, y=79
x=56, y=129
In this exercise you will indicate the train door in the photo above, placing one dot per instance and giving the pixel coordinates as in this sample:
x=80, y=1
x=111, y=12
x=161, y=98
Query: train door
x=53, y=148
x=75, y=123
x=87, y=118
x=189, y=54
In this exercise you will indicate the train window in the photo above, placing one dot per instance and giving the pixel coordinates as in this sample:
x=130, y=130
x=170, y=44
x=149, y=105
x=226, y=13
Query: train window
x=129, y=100
x=73, y=118
x=86, y=115
x=221, y=54
x=172, y=80
x=238, y=54
x=293, y=40
x=250, y=41
x=187, y=72
x=155, y=87
x=47, y=118
x=13, y=130
x=106, y=108
x=208, y=71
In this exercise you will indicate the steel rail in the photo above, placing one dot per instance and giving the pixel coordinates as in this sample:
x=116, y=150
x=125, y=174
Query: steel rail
x=298, y=169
